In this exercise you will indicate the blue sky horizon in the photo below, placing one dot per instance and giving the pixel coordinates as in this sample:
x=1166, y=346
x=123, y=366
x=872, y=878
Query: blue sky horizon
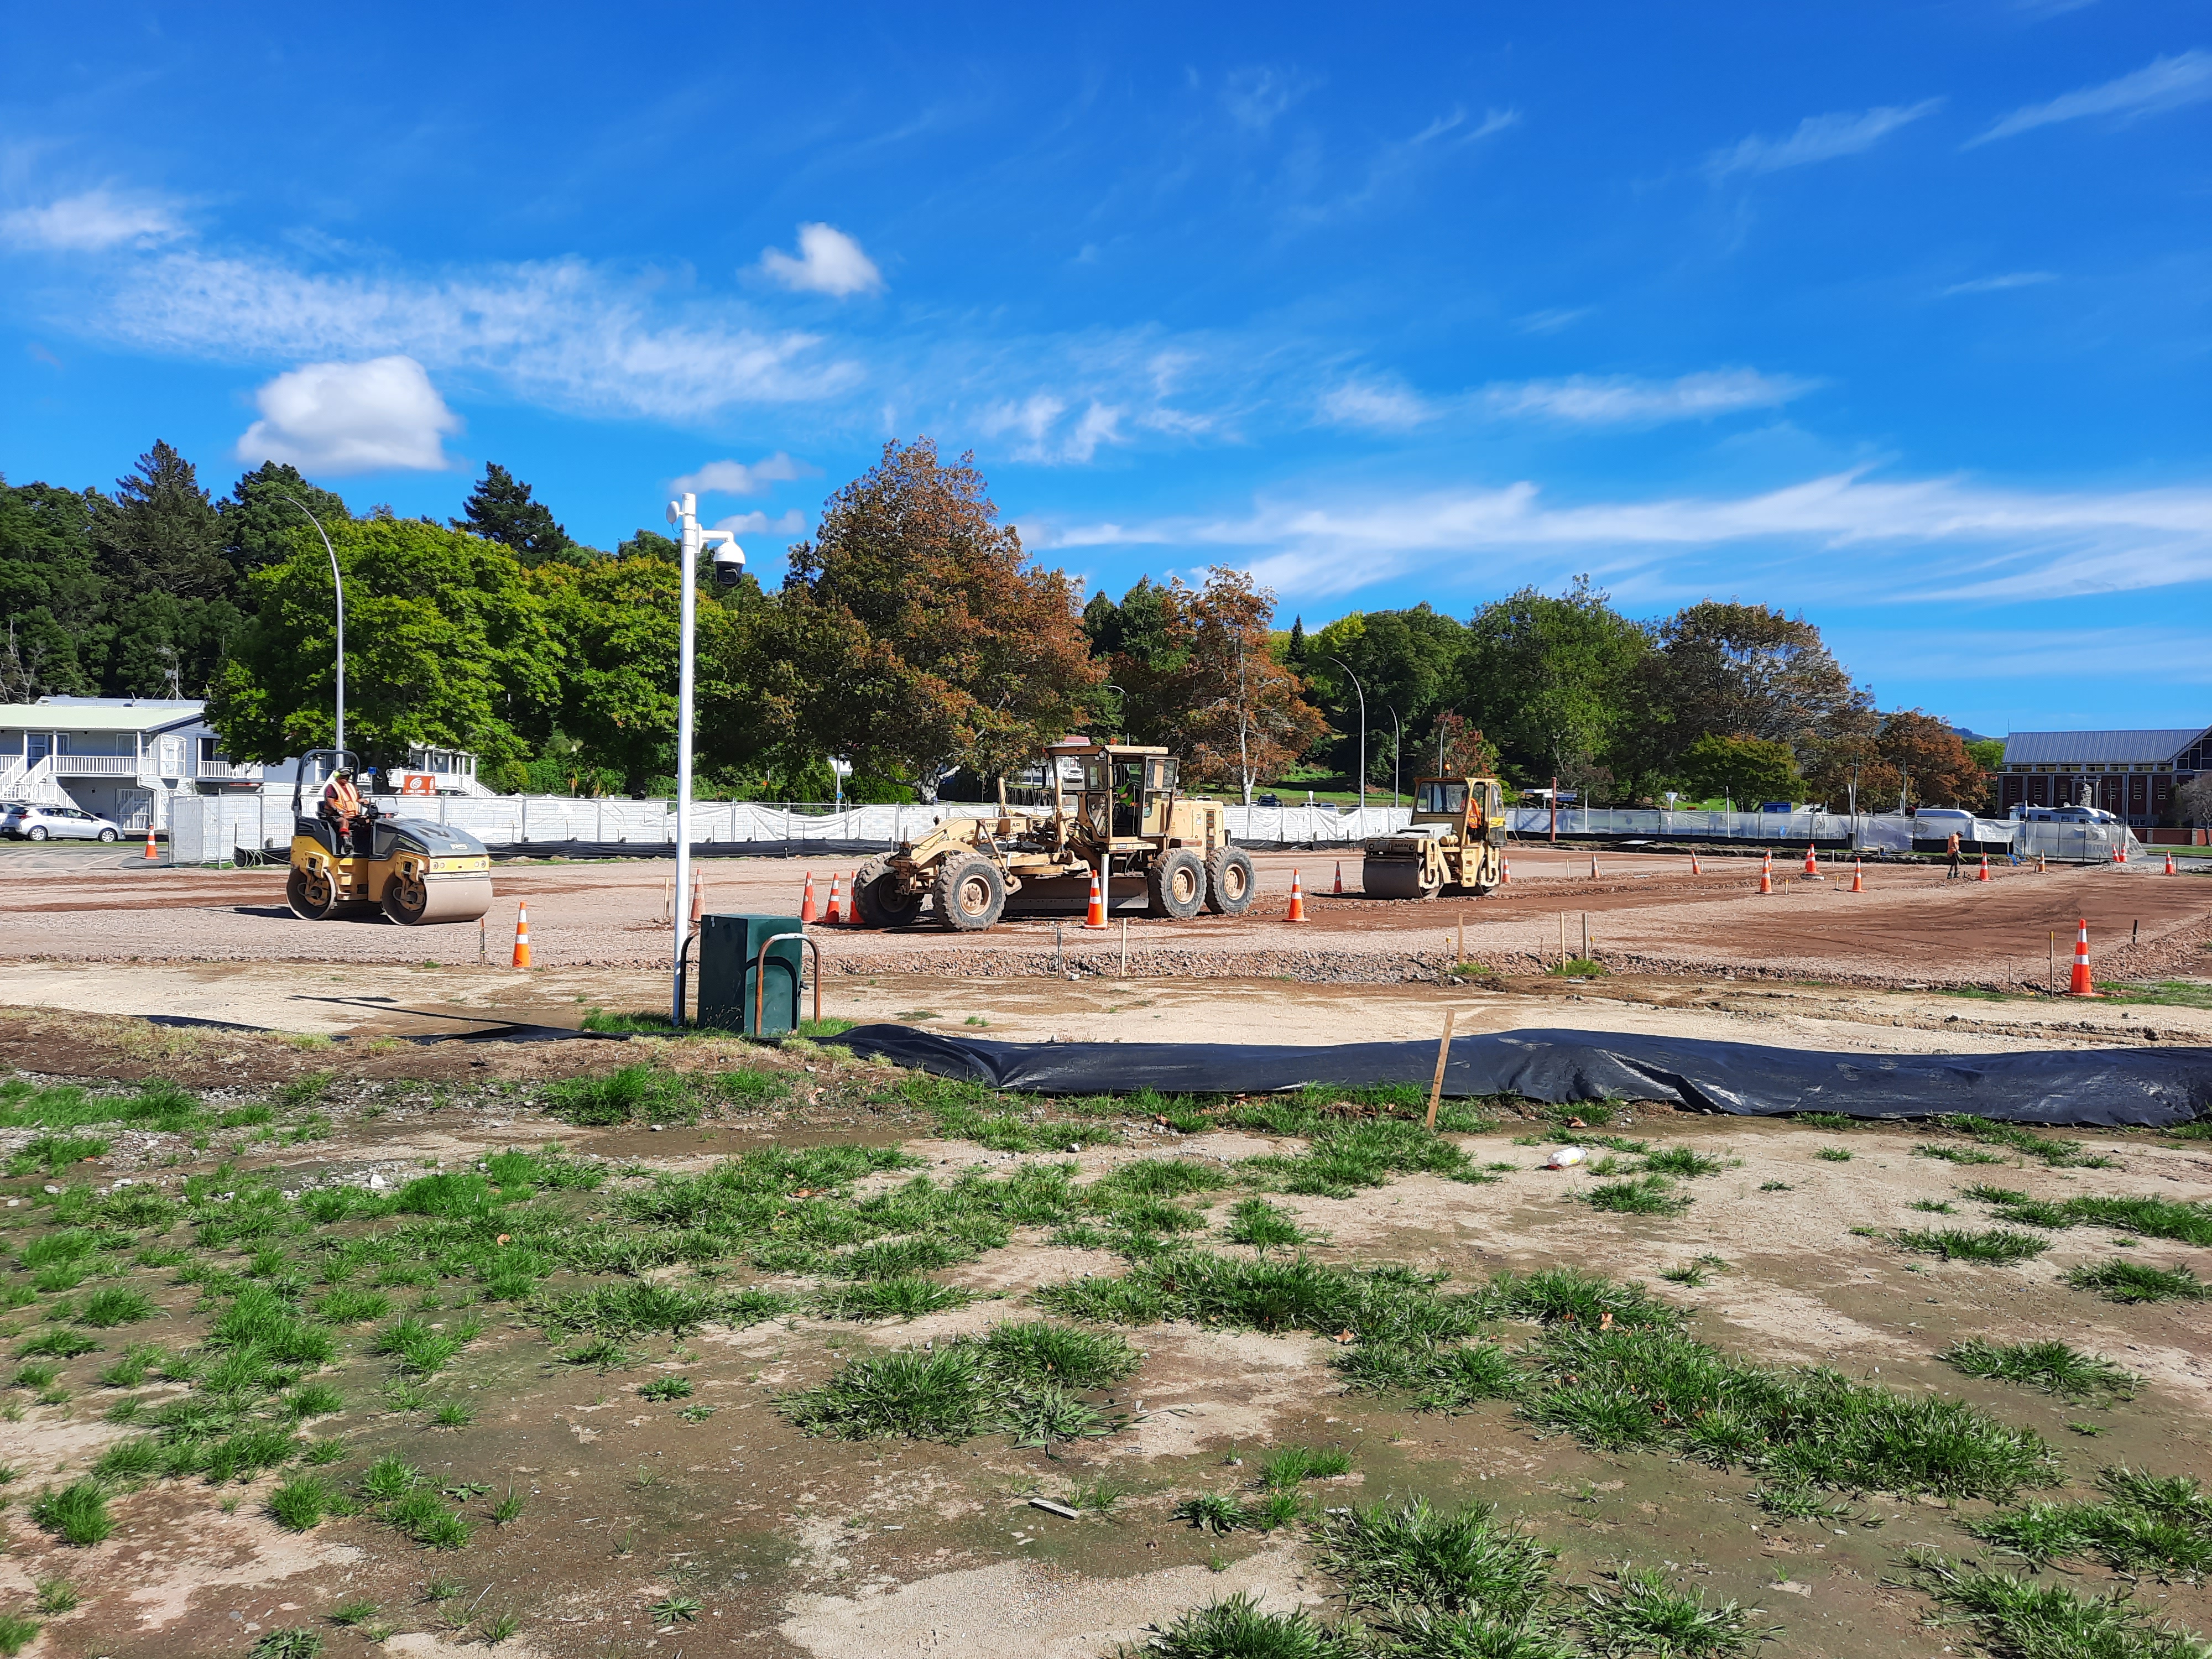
x=1896, y=316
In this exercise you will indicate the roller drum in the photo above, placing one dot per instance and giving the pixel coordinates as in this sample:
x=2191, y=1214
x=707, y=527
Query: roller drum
x=1391, y=879
x=445, y=898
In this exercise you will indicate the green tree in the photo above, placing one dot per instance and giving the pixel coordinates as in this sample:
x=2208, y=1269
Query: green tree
x=260, y=528
x=1550, y=680
x=1744, y=769
x=501, y=509
x=913, y=634
x=53, y=602
x=1407, y=660
x=161, y=533
x=446, y=645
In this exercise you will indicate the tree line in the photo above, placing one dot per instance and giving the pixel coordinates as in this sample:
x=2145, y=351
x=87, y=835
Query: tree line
x=913, y=637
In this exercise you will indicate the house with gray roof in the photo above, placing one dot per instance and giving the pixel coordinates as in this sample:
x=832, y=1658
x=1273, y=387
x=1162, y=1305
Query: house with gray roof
x=2131, y=775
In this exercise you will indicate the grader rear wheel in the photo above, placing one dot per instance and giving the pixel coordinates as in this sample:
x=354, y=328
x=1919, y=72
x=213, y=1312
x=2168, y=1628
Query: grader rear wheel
x=1229, y=882
x=1176, y=883
x=970, y=894
x=878, y=899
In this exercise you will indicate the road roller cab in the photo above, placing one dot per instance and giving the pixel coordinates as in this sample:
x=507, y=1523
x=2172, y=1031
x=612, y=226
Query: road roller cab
x=1456, y=839
x=415, y=871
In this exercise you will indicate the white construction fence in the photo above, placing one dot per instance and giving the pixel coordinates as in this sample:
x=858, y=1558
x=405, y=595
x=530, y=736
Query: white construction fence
x=212, y=829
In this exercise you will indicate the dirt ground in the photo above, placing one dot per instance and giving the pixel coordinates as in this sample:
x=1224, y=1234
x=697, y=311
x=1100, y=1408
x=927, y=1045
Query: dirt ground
x=658, y=1526
x=1644, y=912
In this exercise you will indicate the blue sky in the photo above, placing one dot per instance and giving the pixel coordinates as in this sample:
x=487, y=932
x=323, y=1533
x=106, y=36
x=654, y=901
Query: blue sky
x=1898, y=315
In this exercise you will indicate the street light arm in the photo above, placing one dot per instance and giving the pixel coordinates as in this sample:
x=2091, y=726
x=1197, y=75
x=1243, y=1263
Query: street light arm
x=1362, y=691
x=337, y=583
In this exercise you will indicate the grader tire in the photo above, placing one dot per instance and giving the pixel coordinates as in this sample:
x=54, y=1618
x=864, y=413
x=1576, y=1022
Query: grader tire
x=1229, y=882
x=878, y=901
x=970, y=894
x=1392, y=878
x=1176, y=883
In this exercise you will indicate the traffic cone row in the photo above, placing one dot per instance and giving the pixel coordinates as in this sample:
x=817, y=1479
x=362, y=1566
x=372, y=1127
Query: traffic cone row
x=806, y=904
x=2079, y=985
x=1094, y=918
x=522, y=934
x=833, y=916
x=1298, y=901
x=1766, y=874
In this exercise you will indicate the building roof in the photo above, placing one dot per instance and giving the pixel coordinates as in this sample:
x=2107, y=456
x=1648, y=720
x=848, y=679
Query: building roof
x=2099, y=748
x=97, y=714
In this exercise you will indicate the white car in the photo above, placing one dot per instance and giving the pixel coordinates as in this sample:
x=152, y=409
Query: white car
x=25, y=823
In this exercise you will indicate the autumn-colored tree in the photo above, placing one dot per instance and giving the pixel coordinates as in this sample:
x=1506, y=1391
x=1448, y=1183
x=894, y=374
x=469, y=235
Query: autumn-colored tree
x=913, y=634
x=1931, y=760
x=1237, y=715
x=1460, y=750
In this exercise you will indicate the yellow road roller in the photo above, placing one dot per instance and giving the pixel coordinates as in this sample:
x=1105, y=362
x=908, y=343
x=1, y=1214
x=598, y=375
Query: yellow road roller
x=415, y=871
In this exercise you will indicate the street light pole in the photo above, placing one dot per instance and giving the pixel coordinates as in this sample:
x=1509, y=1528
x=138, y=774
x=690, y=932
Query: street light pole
x=685, y=513
x=1397, y=743
x=337, y=583
x=1362, y=691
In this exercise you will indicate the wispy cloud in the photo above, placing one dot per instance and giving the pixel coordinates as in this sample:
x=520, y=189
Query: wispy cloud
x=1998, y=284
x=791, y=523
x=92, y=223
x=1552, y=319
x=1911, y=543
x=737, y=478
x=2164, y=83
x=1041, y=435
x=1383, y=405
x=1818, y=139
x=1621, y=400
x=1257, y=95
x=376, y=417
x=563, y=332
x=829, y=262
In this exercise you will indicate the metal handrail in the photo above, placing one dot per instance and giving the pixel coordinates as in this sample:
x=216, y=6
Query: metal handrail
x=760, y=978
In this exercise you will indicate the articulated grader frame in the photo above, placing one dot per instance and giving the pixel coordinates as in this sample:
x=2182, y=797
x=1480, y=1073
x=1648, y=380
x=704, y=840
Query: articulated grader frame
x=1115, y=811
x=1456, y=840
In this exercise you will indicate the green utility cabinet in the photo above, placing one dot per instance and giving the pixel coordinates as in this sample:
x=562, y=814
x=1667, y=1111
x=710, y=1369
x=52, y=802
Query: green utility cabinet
x=729, y=949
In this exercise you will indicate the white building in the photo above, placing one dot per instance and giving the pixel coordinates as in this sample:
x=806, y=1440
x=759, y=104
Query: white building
x=125, y=758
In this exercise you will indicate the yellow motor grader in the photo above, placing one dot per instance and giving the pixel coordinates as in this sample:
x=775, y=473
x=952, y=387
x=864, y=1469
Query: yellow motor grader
x=1114, y=810
x=1456, y=840
x=415, y=871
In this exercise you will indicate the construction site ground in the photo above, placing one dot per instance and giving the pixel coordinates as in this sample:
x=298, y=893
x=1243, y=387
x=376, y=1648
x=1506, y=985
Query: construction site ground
x=643, y=1488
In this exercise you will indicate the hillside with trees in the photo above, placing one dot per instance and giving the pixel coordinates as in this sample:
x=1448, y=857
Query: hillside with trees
x=912, y=634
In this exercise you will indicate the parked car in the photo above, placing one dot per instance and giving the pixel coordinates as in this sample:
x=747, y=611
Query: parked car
x=29, y=823
x=1269, y=800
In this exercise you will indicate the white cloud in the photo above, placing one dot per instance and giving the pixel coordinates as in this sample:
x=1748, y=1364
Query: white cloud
x=1037, y=421
x=2164, y=83
x=92, y=222
x=1909, y=543
x=351, y=418
x=1256, y=96
x=565, y=332
x=1614, y=400
x=1818, y=139
x=792, y=523
x=1381, y=405
x=736, y=478
x=828, y=262
x=1999, y=284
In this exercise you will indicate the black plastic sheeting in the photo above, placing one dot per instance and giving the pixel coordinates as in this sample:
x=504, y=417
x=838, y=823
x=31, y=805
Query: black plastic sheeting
x=2153, y=1088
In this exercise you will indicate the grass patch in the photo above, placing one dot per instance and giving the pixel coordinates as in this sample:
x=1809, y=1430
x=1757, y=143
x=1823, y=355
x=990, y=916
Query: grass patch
x=115, y=1304
x=2152, y=1217
x=1283, y=1469
x=2143, y=1525
x=2017, y=1618
x=1239, y=1628
x=1577, y=968
x=1262, y=1225
x=16, y=1633
x=300, y=1504
x=76, y=1514
x=2053, y=1367
x=1996, y=1244
x=1023, y=1380
x=1646, y=1195
x=2133, y=1281
x=905, y=1298
x=639, y=1093
x=2055, y=1153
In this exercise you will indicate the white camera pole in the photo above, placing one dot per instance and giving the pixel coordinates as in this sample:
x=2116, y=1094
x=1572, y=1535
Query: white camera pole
x=685, y=514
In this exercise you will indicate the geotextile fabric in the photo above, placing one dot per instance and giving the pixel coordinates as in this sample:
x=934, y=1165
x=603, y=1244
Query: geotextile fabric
x=2153, y=1088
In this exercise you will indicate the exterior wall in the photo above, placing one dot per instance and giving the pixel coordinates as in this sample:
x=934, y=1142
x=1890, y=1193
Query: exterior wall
x=2143, y=794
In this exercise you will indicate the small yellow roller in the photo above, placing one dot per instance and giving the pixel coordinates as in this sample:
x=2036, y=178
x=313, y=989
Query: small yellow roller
x=415, y=871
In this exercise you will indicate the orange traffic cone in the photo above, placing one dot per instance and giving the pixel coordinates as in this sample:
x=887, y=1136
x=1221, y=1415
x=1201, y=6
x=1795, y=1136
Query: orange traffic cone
x=522, y=934
x=150, y=853
x=2039, y=864
x=1858, y=877
x=806, y=904
x=1340, y=875
x=2079, y=986
x=698, y=898
x=1095, y=917
x=1592, y=866
x=1812, y=864
x=2120, y=853
x=1504, y=869
x=834, y=915
x=2169, y=863
x=1984, y=876
x=1298, y=901
x=1766, y=874
x=1694, y=870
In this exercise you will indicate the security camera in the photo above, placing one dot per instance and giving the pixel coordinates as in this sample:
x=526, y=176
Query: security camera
x=729, y=564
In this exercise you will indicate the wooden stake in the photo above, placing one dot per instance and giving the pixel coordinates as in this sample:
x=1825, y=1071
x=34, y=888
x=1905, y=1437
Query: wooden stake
x=1444, y=1054
x=1461, y=956
x=1125, y=947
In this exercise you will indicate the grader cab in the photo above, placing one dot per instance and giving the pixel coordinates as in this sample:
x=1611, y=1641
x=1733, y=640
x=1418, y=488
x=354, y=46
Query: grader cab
x=1114, y=809
x=1456, y=840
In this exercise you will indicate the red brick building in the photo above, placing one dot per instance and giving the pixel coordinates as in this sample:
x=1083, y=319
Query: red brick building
x=2130, y=775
